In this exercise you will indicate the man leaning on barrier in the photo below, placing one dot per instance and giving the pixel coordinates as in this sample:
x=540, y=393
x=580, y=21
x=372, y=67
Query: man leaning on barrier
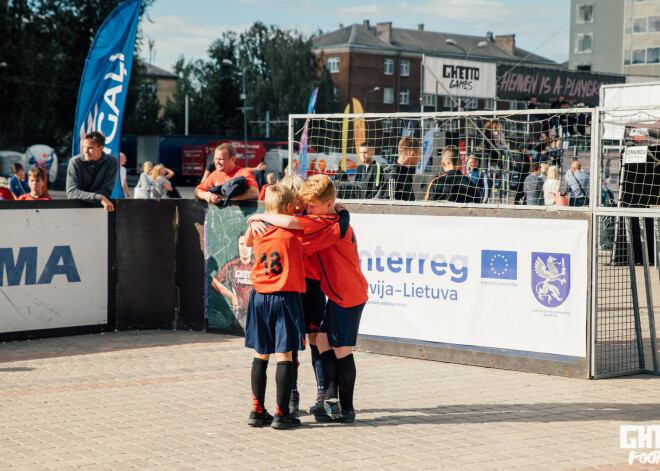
x=399, y=176
x=369, y=173
x=91, y=175
x=452, y=185
x=225, y=170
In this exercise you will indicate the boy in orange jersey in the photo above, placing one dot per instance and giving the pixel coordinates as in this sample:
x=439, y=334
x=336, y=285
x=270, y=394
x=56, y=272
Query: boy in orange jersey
x=313, y=303
x=343, y=283
x=274, y=322
x=36, y=177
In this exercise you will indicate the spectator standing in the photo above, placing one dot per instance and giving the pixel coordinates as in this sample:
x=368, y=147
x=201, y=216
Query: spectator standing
x=544, y=171
x=160, y=184
x=143, y=187
x=479, y=177
x=533, y=186
x=226, y=170
x=91, y=175
x=369, y=173
x=122, y=175
x=257, y=171
x=36, y=182
x=6, y=194
x=550, y=186
x=399, y=179
x=452, y=185
x=578, y=182
x=19, y=182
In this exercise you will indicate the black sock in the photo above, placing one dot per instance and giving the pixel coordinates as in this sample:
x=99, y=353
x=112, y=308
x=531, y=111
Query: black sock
x=294, y=379
x=346, y=380
x=318, y=370
x=329, y=361
x=283, y=377
x=259, y=379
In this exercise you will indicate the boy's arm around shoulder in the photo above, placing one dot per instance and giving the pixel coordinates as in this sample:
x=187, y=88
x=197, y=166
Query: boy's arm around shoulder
x=317, y=237
x=280, y=220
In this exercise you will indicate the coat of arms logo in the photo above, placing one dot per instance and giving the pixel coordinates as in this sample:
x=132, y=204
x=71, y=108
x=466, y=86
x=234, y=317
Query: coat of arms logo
x=551, y=278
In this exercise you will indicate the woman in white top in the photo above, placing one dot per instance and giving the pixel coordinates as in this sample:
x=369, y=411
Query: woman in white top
x=143, y=188
x=550, y=186
x=160, y=184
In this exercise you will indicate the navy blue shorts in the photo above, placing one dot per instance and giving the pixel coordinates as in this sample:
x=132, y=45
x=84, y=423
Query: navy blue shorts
x=341, y=324
x=313, y=302
x=274, y=322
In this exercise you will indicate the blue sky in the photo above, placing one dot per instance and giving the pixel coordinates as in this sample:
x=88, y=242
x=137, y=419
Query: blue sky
x=188, y=27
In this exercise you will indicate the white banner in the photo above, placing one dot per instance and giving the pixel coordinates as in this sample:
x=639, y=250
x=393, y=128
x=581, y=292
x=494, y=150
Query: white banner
x=518, y=284
x=53, y=269
x=459, y=78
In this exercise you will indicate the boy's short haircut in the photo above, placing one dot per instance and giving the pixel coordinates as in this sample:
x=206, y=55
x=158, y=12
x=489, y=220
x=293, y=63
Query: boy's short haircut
x=277, y=198
x=450, y=154
x=410, y=143
x=293, y=182
x=534, y=167
x=319, y=187
x=95, y=137
x=368, y=144
x=37, y=172
x=16, y=167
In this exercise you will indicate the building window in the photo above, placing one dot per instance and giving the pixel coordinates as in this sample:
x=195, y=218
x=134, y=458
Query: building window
x=387, y=126
x=335, y=94
x=585, y=14
x=404, y=97
x=429, y=100
x=389, y=66
x=639, y=56
x=584, y=43
x=584, y=68
x=628, y=27
x=654, y=24
x=627, y=57
x=470, y=104
x=653, y=55
x=388, y=96
x=404, y=68
x=489, y=104
x=447, y=102
x=333, y=65
x=639, y=25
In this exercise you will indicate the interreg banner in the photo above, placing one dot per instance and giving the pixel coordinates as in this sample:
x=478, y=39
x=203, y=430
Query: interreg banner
x=459, y=78
x=104, y=83
x=516, y=284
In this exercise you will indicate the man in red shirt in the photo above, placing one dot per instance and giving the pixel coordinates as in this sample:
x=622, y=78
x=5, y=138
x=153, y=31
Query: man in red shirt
x=225, y=170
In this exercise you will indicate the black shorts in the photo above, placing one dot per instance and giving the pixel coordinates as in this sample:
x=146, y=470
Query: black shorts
x=313, y=303
x=274, y=322
x=341, y=324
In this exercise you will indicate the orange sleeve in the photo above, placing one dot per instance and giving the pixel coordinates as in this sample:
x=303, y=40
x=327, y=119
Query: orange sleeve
x=206, y=183
x=251, y=181
x=319, y=232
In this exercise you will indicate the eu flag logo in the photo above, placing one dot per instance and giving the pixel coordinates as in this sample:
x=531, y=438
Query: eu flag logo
x=499, y=264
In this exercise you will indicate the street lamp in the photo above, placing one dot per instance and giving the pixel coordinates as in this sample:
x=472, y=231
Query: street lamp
x=480, y=45
x=243, y=97
x=375, y=89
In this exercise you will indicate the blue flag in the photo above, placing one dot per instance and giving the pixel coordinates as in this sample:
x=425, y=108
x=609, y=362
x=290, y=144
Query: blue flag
x=104, y=83
x=499, y=264
x=302, y=167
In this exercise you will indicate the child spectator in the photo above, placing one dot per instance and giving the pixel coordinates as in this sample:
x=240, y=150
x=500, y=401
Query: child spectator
x=274, y=321
x=342, y=282
x=36, y=178
x=18, y=183
x=270, y=180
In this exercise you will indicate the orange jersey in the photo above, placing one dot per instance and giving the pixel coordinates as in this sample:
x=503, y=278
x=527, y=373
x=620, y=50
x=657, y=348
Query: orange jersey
x=342, y=280
x=312, y=267
x=279, y=267
x=29, y=197
x=218, y=177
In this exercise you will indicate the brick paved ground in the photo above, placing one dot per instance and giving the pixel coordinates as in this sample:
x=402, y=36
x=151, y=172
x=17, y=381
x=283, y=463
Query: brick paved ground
x=179, y=401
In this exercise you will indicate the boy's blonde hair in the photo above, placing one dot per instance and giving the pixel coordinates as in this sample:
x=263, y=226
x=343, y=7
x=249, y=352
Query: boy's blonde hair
x=277, y=199
x=293, y=182
x=319, y=187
